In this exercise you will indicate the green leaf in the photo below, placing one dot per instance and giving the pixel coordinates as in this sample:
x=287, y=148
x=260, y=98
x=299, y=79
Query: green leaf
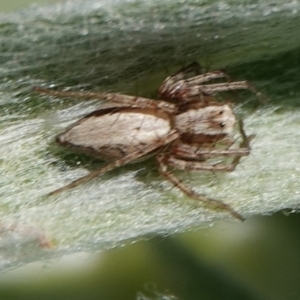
x=130, y=47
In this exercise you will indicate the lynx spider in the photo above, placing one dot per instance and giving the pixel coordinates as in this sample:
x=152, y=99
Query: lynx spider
x=182, y=130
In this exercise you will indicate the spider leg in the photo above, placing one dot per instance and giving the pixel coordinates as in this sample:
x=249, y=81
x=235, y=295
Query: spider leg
x=173, y=135
x=214, y=204
x=125, y=100
x=183, y=150
x=195, y=152
x=197, y=80
x=176, y=87
x=215, y=88
x=70, y=94
x=165, y=160
x=182, y=164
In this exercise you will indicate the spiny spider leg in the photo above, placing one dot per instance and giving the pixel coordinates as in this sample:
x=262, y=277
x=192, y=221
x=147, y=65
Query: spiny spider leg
x=173, y=135
x=179, y=88
x=172, y=84
x=205, y=78
x=70, y=94
x=196, y=68
x=195, y=152
x=125, y=100
x=212, y=89
x=215, y=204
x=182, y=164
x=165, y=160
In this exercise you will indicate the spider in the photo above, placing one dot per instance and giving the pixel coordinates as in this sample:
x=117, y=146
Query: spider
x=184, y=131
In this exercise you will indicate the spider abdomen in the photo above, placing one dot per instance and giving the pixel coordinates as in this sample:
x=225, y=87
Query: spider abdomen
x=114, y=132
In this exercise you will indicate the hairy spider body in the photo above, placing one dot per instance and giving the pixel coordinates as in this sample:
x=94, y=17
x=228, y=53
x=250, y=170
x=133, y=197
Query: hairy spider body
x=184, y=132
x=110, y=134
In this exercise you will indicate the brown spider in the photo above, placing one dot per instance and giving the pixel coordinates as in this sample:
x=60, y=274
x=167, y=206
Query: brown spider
x=184, y=132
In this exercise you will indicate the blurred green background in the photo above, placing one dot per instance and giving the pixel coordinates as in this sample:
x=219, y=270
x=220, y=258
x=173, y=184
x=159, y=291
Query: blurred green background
x=257, y=259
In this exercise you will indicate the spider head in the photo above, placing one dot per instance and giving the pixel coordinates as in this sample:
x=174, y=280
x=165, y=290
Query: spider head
x=209, y=120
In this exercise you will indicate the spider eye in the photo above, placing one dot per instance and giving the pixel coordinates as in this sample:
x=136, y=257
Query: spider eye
x=221, y=112
x=222, y=125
